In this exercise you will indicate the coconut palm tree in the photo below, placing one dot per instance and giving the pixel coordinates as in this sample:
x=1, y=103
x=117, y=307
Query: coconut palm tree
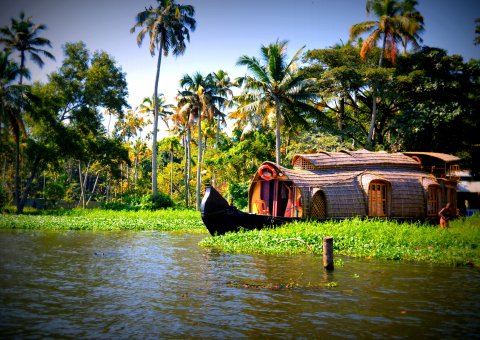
x=415, y=25
x=389, y=28
x=23, y=37
x=11, y=96
x=223, y=86
x=199, y=97
x=274, y=84
x=182, y=124
x=168, y=26
x=164, y=110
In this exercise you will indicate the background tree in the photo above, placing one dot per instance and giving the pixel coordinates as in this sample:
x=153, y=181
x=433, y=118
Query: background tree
x=10, y=109
x=168, y=25
x=22, y=36
x=395, y=19
x=414, y=25
x=164, y=110
x=440, y=104
x=274, y=85
x=199, y=97
x=183, y=121
x=68, y=115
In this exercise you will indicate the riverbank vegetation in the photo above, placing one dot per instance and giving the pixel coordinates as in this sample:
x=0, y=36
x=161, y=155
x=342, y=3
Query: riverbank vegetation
x=372, y=239
x=107, y=220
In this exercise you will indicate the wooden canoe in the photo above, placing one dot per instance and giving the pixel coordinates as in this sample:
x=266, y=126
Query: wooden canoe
x=219, y=217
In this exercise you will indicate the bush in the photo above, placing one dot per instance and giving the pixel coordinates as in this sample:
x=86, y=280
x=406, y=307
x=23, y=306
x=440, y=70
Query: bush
x=145, y=202
x=3, y=199
x=239, y=194
x=154, y=202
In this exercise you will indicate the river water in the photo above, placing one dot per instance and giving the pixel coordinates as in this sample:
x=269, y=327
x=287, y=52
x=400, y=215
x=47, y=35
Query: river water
x=139, y=285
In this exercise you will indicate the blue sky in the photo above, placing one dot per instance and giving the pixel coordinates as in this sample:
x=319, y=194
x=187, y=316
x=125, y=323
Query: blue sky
x=226, y=29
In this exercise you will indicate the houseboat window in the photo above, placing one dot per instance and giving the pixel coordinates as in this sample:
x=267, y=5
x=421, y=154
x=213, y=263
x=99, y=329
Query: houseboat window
x=377, y=199
x=432, y=200
x=319, y=205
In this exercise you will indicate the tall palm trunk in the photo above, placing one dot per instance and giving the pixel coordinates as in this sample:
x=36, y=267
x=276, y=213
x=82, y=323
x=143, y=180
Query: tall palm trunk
x=199, y=162
x=189, y=165
x=155, y=124
x=171, y=171
x=217, y=139
x=277, y=132
x=22, y=65
x=17, y=170
x=374, y=100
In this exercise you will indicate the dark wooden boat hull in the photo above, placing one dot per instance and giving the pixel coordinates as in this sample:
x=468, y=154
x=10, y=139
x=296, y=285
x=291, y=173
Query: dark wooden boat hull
x=219, y=217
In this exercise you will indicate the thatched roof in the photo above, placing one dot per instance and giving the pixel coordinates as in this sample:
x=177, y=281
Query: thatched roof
x=362, y=158
x=441, y=156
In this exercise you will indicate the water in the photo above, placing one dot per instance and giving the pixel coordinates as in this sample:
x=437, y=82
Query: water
x=139, y=285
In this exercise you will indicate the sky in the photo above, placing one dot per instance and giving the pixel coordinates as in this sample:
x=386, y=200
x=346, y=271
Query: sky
x=226, y=30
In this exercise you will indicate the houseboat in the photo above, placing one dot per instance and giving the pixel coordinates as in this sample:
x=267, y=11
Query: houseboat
x=346, y=184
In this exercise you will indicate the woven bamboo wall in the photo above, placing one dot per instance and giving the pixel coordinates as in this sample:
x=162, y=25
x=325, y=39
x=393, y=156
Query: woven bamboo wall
x=346, y=190
x=407, y=196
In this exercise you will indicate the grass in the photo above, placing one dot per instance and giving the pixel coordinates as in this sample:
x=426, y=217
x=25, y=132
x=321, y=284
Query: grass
x=106, y=220
x=376, y=239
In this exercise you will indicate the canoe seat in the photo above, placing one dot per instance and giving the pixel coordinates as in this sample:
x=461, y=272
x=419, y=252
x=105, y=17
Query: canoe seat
x=262, y=208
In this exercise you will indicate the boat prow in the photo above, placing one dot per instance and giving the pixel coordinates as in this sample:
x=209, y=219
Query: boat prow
x=220, y=217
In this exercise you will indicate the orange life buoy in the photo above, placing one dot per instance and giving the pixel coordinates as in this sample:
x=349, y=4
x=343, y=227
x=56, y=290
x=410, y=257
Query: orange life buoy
x=267, y=172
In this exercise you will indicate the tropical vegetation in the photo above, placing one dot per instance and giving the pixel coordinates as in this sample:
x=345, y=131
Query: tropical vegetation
x=372, y=239
x=381, y=90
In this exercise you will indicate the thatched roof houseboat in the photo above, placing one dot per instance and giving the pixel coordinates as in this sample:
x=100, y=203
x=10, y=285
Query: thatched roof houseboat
x=345, y=184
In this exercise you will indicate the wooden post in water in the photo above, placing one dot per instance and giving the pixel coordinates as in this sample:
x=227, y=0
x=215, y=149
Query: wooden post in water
x=328, y=253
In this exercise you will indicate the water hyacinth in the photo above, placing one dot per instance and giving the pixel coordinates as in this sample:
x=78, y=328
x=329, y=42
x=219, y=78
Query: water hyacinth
x=105, y=220
x=378, y=239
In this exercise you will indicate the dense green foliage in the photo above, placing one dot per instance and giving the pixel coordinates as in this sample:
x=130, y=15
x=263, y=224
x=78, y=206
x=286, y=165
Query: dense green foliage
x=376, y=239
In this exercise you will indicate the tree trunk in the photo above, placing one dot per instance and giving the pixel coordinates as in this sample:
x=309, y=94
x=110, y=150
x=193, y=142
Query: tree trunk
x=17, y=172
x=277, y=133
x=82, y=193
x=33, y=172
x=94, y=187
x=4, y=174
x=340, y=115
x=107, y=190
x=189, y=167
x=199, y=161
x=374, y=101
x=135, y=176
x=155, y=124
x=171, y=172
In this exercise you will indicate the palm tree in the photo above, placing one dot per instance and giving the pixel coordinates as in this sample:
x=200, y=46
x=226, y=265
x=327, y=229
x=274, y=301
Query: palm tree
x=182, y=123
x=199, y=97
x=23, y=37
x=275, y=84
x=10, y=108
x=171, y=144
x=164, y=110
x=415, y=25
x=389, y=27
x=223, y=86
x=168, y=26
